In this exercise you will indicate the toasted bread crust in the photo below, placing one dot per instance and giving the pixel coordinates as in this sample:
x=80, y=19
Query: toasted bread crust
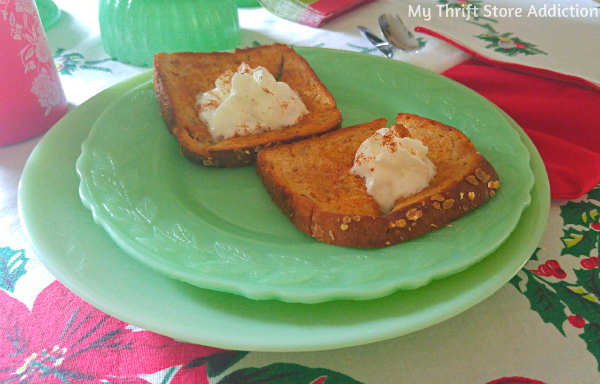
x=179, y=77
x=451, y=195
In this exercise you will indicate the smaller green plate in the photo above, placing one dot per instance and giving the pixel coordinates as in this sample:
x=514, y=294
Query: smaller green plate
x=218, y=229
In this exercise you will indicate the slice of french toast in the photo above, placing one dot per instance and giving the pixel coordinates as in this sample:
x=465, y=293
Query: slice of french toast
x=310, y=181
x=179, y=77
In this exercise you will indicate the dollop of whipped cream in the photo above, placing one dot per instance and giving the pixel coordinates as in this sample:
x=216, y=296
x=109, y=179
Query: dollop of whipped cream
x=248, y=101
x=393, y=167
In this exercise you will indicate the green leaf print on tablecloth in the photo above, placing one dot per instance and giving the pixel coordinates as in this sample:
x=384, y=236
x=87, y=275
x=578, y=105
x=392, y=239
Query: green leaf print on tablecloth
x=546, y=302
x=12, y=267
x=67, y=64
x=510, y=45
x=588, y=279
x=578, y=242
x=591, y=336
x=217, y=363
x=284, y=373
x=362, y=49
x=583, y=234
x=569, y=292
x=506, y=43
x=516, y=280
x=594, y=194
x=579, y=213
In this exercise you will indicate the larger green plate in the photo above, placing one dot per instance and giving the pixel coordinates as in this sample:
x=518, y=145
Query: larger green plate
x=218, y=229
x=84, y=258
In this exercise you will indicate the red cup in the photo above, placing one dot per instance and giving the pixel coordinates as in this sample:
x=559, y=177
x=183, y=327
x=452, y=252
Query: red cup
x=31, y=97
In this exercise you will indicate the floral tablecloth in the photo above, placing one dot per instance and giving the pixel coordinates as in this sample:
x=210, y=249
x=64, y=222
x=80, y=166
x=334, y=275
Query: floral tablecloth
x=541, y=327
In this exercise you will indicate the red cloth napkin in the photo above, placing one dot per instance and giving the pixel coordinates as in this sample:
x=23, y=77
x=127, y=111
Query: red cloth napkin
x=320, y=11
x=562, y=119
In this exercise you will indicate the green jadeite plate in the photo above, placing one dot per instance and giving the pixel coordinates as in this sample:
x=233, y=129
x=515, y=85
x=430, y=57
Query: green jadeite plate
x=84, y=258
x=218, y=229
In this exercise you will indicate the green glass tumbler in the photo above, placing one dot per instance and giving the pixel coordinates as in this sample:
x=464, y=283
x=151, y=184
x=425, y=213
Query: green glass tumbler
x=133, y=31
x=49, y=13
x=247, y=3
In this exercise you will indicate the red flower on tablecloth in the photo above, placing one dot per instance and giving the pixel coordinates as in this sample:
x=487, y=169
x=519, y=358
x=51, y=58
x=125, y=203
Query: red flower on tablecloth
x=577, y=321
x=515, y=380
x=590, y=262
x=63, y=339
x=550, y=268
